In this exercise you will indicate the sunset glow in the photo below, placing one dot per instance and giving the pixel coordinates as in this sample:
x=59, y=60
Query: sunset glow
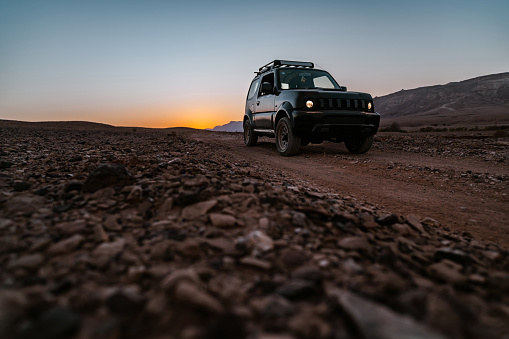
x=160, y=64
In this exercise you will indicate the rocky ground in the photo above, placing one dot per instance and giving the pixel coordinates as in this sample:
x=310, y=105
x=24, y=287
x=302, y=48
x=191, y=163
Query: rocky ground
x=156, y=234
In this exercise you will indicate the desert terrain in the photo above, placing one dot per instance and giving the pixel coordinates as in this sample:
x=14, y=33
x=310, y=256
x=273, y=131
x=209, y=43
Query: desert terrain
x=178, y=233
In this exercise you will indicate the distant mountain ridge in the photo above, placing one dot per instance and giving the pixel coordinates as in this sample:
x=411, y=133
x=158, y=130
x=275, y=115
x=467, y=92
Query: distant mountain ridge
x=481, y=99
x=232, y=126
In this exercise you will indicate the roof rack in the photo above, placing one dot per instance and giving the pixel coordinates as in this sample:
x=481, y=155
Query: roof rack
x=279, y=63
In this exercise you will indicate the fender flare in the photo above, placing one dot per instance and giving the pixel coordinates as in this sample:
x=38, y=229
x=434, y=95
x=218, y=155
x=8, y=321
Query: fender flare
x=285, y=110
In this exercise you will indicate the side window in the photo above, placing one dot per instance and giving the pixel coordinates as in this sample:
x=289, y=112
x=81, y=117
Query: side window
x=254, y=88
x=269, y=78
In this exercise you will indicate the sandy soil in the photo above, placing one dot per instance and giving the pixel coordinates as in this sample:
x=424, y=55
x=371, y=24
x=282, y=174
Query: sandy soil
x=460, y=180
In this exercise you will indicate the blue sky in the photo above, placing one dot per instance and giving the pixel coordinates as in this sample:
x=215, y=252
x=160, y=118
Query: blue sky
x=159, y=64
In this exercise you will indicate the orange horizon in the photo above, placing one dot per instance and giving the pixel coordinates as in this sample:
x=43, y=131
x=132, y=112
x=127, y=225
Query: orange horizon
x=193, y=116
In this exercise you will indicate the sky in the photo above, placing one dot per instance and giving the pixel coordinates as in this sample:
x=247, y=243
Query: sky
x=158, y=63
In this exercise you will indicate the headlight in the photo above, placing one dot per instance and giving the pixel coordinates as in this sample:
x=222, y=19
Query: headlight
x=369, y=105
x=309, y=104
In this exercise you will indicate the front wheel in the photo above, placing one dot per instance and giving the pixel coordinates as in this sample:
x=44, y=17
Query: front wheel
x=359, y=145
x=287, y=143
x=250, y=137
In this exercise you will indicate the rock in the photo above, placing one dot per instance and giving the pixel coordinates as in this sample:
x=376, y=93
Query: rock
x=135, y=194
x=187, y=275
x=6, y=164
x=105, y=252
x=100, y=234
x=4, y=223
x=189, y=248
x=257, y=242
x=67, y=245
x=26, y=203
x=297, y=289
x=372, y=320
x=447, y=271
x=253, y=262
x=415, y=223
x=31, y=261
x=111, y=223
x=222, y=220
x=308, y=273
x=499, y=280
x=73, y=185
x=71, y=228
x=388, y=219
x=291, y=257
x=108, y=175
x=457, y=256
x=20, y=186
x=354, y=244
x=198, y=209
x=190, y=295
x=306, y=324
x=57, y=323
x=125, y=302
x=224, y=245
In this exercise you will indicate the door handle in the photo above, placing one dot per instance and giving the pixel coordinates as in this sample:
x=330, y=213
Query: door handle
x=258, y=103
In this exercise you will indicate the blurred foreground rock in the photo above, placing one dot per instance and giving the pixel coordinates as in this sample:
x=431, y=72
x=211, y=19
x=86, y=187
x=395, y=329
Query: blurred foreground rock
x=147, y=234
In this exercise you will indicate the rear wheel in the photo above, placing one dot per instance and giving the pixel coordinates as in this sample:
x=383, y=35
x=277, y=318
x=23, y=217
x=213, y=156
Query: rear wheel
x=287, y=143
x=250, y=137
x=359, y=145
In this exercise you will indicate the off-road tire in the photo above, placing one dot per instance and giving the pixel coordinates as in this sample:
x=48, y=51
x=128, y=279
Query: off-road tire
x=250, y=137
x=287, y=143
x=359, y=145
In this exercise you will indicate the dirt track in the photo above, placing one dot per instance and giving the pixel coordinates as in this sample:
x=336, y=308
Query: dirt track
x=461, y=181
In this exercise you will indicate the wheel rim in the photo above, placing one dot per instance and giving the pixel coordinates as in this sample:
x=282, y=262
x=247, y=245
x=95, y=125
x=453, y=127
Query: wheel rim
x=283, y=137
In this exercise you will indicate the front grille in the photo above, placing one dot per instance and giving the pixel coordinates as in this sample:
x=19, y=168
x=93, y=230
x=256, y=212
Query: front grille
x=343, y=104
x=342, y=120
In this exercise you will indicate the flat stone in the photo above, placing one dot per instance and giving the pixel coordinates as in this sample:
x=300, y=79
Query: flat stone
x=415, y=223
x=373, y=320
x=256, y=241
x=447, y=271
x=72, y=227
x=31, y=261
x=26, y=203
x=188, y=275
x=457, y=256
x=196, y=210
x=222, y=220
x=67, y=245
x=257, y=263
x=354, y=243
x=107, y=251
x=189, y=294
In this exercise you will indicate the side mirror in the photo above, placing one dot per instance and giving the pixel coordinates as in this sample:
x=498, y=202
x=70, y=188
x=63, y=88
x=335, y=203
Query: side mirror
x=267, y=88
x=342, y=88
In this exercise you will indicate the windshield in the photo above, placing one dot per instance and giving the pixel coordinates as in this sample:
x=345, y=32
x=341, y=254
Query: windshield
x=305, y=79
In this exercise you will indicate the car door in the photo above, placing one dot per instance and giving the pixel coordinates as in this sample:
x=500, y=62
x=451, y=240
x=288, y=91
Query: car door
x=264, y=105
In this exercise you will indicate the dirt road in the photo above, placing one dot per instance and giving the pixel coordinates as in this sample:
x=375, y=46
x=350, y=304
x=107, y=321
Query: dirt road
x=461, y=181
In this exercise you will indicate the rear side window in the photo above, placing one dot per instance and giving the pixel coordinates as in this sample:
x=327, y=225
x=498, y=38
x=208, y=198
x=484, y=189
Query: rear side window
x=253, y=89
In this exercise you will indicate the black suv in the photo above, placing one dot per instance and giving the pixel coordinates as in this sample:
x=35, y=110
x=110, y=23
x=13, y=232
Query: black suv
x=298, y=104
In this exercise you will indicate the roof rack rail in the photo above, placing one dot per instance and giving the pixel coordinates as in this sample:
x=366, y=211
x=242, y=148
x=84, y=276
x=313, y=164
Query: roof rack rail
x=279, y=63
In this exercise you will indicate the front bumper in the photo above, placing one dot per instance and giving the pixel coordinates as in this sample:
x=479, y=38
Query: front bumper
x=335, y=124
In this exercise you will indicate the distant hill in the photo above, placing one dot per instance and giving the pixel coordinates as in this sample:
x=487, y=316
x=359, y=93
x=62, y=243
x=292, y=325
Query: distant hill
x=482, y=100
x=56, y=124
x=232, y=126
